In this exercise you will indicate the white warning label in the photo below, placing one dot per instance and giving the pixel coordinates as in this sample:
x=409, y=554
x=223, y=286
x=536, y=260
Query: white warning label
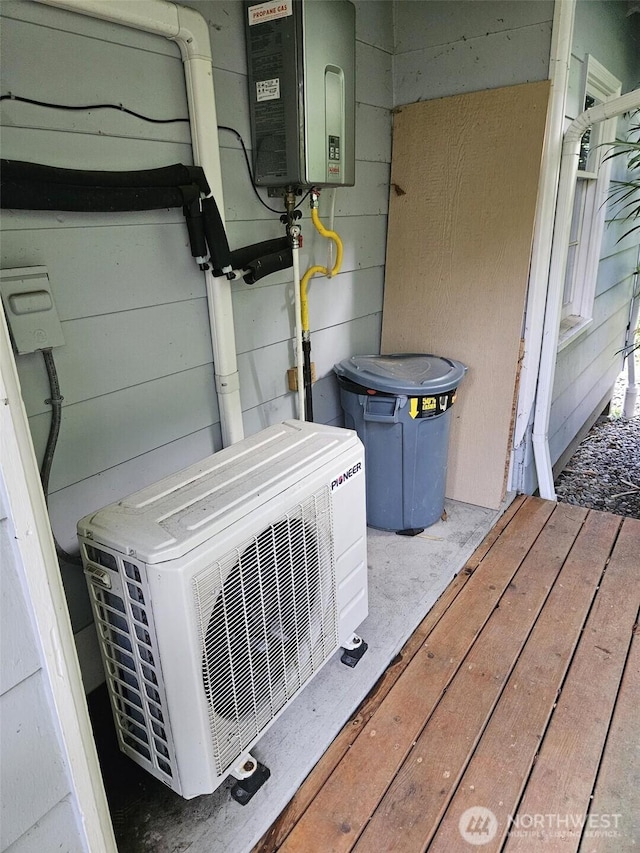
x=269, y=11
x=268, y=90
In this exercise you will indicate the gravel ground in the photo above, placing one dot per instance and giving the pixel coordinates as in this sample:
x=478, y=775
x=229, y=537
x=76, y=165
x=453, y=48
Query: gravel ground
x=604, y=473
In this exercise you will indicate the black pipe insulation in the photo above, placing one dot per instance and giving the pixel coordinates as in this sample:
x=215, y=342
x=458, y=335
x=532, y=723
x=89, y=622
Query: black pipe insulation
x=216, y=237
x=195, y=227
x=24, y=195
x=241, y=257
x=33, y=186
x=165, y=176
x=269, y=264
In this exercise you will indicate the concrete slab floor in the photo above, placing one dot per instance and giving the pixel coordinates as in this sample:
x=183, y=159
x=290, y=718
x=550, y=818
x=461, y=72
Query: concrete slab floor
x=406, y=576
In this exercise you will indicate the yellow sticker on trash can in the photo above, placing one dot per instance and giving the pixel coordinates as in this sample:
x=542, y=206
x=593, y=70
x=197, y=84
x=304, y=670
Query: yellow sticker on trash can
x=426, y=407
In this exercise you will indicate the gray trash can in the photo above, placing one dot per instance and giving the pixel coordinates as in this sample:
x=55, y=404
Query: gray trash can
x=400, y=406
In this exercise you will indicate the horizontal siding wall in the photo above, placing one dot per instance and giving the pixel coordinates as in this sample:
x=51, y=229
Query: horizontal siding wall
x=587, y=368
x=136, y=369
x=444, y=48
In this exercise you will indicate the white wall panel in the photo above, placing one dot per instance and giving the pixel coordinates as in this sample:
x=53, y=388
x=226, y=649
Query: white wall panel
x=32, y=771
x=373, y=133
x=111, y=268
x=127, y=76
x=374, y=23
x=571, y=420
x=108, y=430
x=611, y=312
x=108, y=353
x=370, y=196
x=226, y=28
x=373, y=76
x=233, y=108
x=265, y=315
x=20, y=655
x=428, y=23
x=102, y=153
x=56, y=830
x=487, y=62
x=71, y=22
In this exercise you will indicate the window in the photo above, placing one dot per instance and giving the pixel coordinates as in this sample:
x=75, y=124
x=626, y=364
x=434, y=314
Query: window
x=588, y=218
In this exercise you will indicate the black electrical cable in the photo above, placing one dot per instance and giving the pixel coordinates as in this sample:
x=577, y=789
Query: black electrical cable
x=54, y=431
x=118, y=107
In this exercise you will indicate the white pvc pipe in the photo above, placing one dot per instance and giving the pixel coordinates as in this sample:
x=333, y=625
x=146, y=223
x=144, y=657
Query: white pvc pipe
x=561, y=231
x=190, y=31
x=562, y=38
x=295, y=253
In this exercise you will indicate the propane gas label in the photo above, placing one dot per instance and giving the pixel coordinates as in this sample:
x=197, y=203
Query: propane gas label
x=269, y=11
x=268, y=90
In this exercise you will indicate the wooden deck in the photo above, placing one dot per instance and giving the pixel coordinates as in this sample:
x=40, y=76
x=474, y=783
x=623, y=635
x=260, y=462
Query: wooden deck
x=510, y=721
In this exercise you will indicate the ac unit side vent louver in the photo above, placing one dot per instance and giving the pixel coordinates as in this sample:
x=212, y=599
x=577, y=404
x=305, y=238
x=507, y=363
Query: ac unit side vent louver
x=135, y=688
x=267, y=622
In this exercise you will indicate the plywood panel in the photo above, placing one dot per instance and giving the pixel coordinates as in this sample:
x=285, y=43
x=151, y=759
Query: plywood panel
x=463, y=196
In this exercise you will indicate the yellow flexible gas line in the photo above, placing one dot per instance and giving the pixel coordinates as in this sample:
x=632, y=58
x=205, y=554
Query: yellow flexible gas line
x=318, y=270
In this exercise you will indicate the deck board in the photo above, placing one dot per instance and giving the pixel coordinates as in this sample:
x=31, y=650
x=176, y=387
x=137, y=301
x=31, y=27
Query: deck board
x=420, y=792
x=616, y=800
x=502, y=762
x=469, y=713
x=565, y=771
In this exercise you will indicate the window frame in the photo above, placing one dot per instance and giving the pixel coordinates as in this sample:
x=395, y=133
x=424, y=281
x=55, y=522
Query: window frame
x=590, y=206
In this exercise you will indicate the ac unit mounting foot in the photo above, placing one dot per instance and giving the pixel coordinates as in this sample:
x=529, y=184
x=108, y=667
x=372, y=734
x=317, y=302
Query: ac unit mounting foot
x=353, y=651
x=251, y=782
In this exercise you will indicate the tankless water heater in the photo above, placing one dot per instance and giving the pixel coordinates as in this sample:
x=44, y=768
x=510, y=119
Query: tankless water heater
x=301, y=70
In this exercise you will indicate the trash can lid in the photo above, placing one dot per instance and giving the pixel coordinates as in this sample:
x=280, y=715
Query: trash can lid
x=413, y=374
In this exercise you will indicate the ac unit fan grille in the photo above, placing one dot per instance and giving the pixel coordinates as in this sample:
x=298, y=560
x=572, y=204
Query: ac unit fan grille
x=267, y=621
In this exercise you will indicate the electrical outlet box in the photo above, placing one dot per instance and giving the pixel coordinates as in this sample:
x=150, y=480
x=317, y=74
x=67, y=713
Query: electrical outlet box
x=31, y=314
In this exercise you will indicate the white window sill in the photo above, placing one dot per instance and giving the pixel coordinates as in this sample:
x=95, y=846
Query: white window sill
x=572, y=328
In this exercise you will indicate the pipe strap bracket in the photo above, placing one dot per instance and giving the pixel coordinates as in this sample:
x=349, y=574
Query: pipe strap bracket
x=228, y=383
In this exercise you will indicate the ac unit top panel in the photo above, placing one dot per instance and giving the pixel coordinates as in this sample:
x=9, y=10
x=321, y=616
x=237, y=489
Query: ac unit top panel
x=173, y=516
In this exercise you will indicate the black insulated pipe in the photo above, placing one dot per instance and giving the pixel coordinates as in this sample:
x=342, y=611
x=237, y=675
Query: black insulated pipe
x=22, y=195
x=241, y=257
x=216, y=238
x=166, y=176
x=269, y=264
x=195, y=227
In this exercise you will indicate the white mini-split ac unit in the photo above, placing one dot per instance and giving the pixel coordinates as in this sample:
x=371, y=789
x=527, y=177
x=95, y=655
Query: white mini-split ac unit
x=219, y=592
